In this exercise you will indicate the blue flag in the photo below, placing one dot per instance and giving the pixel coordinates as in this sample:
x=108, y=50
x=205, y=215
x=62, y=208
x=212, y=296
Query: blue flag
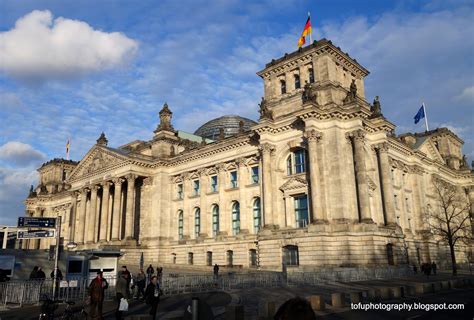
x=420, y=114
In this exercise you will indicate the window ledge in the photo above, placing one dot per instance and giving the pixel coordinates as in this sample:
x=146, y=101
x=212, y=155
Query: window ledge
x=232, y=189
x=253, y=184
x=212, y=192
x=194, y=196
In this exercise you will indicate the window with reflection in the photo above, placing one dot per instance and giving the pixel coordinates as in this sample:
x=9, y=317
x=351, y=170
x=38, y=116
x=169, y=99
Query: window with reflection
x=257, y=215
x=291, y=255
x=301, y=211
x=255, y=174
x=296, y=162
x=214, y=184
x=197, y=222
x=196, y=187
x=234, y=183
x=283, y=86
x=179, y=191
x=235, y=218
x=311, y=75
x=180, y=224
x=215, y=220
x=297, y=82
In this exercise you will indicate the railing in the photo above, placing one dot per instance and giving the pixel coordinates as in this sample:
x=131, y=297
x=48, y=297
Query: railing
x=33, y=291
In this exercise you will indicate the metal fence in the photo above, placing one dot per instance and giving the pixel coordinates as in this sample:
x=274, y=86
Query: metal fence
x=33, y=291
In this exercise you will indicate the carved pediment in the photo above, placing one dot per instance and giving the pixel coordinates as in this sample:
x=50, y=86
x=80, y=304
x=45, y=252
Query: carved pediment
x=429, y=148
x=95, y=161
x=294, y=183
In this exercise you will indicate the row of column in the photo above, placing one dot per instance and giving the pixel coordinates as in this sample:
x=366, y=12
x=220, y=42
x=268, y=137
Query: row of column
x=101, y=216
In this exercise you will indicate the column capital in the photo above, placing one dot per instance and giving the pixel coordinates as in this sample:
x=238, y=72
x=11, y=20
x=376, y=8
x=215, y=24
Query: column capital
x=266, y=148
x=240, y=162
x=118, y=180
x=357, y=135
x=131, y=177
x=220, y=167
x=148, y=181
x=95, y=187
x=313, y=135
x=382, y=147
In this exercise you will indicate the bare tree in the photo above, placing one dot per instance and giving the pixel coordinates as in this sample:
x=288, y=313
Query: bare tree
x=449, y=218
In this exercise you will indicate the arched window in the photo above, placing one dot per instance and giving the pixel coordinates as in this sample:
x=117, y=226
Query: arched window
x=197, y=222
x=311, y=75
x=230, y=257
x=253, y=257
x=235, y=218
x=215, y=220
x=209, y=258
x=297, y=82
x=390, y=254
x=257, y=215
x=180, y=224
x=283, y=86
x=291, y=255
x=296, y=162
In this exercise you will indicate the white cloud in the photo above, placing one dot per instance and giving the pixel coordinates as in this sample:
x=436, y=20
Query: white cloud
x=20, y=154
x=39, y=48
x=467, y=95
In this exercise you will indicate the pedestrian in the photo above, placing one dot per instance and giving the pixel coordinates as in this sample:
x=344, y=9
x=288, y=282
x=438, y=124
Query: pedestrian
x=149, y=272
x=40, y=275
x=97, y=289
x=59, y=276
x=34, y=273
x=152, y=295
x=159, y=273
x=415, y=269
x=120, y=292
x=434, y=266
x=216, y=271
x=129, y=279
x=140, y=281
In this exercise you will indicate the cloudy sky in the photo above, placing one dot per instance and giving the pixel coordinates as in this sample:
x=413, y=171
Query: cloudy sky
x=76, y=68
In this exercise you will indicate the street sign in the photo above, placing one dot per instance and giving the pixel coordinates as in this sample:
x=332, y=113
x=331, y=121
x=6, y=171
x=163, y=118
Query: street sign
x=36, y=222
x=24, y=234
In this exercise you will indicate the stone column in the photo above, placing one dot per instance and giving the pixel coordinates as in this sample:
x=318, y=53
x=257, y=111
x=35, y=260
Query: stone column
x=5, y=238
x=223, y=219
x=358, y=138
x=104, y=216
x=317, y=212
x=387, y=187
x=130, y=214
x=81, y=221
x=72, y=223
x=267, y=212
x=92, y=226
x=116, y=209
x=470, y=193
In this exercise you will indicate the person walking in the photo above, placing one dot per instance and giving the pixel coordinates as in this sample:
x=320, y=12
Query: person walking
x=433, y=267
x=149, y=272
x=120, y=292
x=128, y=278
x=415, y=269
x=40, y=275
x=152, y=295
x=96, y=292
x=34, y=273
x=159, y=273
x=140, y=282
x=216, y=271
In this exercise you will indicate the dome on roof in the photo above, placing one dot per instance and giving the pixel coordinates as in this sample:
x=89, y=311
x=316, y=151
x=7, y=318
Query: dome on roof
x=210, y=130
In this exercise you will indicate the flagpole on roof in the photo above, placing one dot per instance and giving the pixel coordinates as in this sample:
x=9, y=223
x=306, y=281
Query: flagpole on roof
x=426, y=117
x=311, y=33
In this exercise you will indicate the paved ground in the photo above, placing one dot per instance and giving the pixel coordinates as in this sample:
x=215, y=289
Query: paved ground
x=173, y=307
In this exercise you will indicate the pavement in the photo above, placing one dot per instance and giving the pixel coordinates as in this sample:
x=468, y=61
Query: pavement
x=173, y=307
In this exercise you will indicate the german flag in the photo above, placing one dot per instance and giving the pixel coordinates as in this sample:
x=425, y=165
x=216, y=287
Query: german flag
x=306, y=31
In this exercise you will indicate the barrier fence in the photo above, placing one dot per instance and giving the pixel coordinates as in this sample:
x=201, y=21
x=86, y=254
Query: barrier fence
x=34, y=291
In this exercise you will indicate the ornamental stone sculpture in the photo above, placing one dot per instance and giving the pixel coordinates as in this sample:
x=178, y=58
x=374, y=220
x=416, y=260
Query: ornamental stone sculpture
x=352, y=94
x=265, y=113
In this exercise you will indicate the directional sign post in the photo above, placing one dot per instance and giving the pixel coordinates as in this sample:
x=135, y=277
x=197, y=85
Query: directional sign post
x=36, y=234
x=36, y=222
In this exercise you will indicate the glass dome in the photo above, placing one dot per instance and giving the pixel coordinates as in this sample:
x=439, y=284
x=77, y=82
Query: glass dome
x=210, y=130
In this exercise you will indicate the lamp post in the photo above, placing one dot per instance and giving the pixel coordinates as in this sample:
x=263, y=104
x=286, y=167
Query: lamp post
x=56, y=258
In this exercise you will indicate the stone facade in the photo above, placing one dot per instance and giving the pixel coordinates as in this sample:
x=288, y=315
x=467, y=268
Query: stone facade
x=320, y=180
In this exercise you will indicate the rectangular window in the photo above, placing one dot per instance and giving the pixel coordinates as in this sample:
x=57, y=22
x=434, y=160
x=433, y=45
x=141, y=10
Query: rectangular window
x=299, y=161
x=311, y=75
x=233, y=179
x=179, y=191
x=196, y=187
x=255, y=176
x=214, y=184
x=301, y=211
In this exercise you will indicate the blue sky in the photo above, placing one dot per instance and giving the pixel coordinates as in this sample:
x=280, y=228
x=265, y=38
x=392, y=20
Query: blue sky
x=77, y=68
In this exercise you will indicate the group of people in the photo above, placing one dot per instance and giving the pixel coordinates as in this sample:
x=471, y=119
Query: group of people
x=426, y=268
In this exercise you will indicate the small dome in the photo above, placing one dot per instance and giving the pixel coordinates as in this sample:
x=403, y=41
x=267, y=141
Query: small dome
x=210, y=130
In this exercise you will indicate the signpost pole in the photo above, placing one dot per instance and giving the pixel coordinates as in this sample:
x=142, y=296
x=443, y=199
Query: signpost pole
x=56, y=257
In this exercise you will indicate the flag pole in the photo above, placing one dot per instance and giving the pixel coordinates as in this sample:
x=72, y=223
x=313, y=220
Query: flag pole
x=426, y=117
x=311, y=33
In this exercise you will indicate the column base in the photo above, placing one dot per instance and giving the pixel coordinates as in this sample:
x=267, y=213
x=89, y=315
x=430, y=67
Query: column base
x=367, y=221
x=129, y=242
x=320, y=221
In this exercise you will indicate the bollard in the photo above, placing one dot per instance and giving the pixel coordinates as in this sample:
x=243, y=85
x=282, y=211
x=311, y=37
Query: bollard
x=266, y=310
x=317, y=302
x=234, y=312
x=397, y=292
x=337, y=299
x=384, y=293
x=356, y=297
x=195, y=308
